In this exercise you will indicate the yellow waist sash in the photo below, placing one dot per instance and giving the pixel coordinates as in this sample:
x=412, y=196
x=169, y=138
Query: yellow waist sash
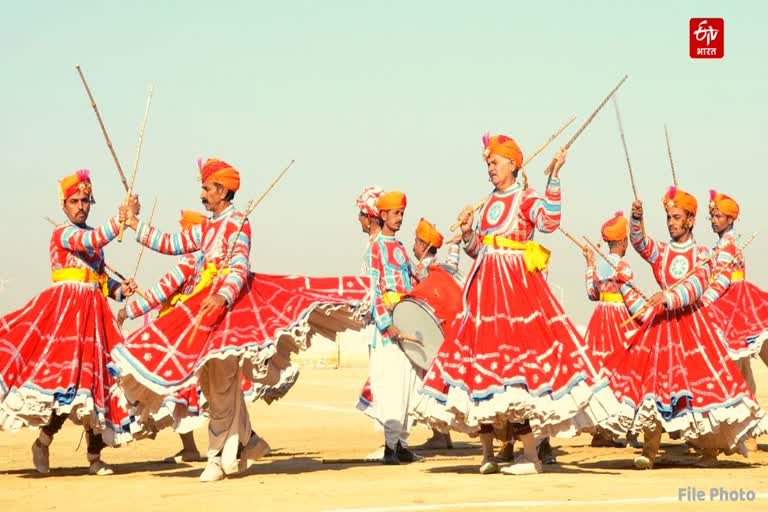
x=391, y=298
x=535, y=255
x=83, y=275
x=611, y=297
x=206, y=276
x=737, y=275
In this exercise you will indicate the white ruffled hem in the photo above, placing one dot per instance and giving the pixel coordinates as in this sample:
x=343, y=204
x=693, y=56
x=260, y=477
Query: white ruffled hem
x=25, y=407
x=579, y=410
x=722, y=427
x=751, y=350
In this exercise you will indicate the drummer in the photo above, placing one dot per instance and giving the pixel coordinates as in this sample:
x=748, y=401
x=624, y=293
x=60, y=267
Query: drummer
x=428, y=241
x=394, y=382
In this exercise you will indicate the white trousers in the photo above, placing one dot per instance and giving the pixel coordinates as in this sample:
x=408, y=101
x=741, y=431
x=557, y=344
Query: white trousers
x=394, y=384
x=228, y=424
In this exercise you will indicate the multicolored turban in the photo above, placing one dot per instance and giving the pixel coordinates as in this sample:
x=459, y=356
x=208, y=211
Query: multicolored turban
x=616, y=228
x=427, y=232
x=503, y=146
x=219, y=172
x=78, y=181
x=366, y=201
x=724, y=203
x=191, y=218
x=392, y=200
x=679, y=198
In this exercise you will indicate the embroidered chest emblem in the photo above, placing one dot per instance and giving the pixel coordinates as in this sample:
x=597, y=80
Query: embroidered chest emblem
x=679, y=266
x=399, y=256
x=494, y=213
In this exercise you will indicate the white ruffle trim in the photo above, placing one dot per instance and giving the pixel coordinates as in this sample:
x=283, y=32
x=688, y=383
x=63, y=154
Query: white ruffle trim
x=724, y=426
x=580, y=409
x=25, y=407
x=751, y=350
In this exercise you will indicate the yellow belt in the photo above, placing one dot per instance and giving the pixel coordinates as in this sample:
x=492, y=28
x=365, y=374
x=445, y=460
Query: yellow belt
x=391, y=298
x=206, y=276
x=611, y=297
x=535, y=255
x=83, y=275
x=737, y=275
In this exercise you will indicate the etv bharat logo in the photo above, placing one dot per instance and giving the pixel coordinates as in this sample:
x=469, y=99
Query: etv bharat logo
x=707, y=37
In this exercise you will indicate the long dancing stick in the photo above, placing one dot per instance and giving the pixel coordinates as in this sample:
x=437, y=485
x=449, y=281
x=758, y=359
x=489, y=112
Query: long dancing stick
x=624, y=145
x=696, y=267
x=136, y=158
x=669, y=154
x=605, y=257
x=538, y=150
x=571, y=238
x=141, y=249
x=103, y=128
x=251, y=206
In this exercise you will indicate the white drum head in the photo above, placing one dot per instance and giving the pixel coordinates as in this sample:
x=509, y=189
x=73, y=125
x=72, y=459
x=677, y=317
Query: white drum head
x=416, y=320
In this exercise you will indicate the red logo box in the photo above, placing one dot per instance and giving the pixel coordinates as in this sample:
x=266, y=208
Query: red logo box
x=707, y=37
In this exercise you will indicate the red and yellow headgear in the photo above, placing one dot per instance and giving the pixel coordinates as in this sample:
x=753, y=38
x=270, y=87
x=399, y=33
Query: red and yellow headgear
x=503, y=146
x=724, y=203
x=78, y=181
x=427, y=232
x=616, y=228
x=219, y=172
x=392, y=200
x=679, y=198
x=191, y=218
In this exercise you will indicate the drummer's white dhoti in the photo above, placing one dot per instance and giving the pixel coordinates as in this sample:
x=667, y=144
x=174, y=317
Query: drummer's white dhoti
x=395, y=386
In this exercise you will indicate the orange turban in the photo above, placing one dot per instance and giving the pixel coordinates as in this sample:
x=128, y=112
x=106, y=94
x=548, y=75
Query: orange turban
x=724, y=203
x=78, y=181
x=392, y=200
x=616, y=228
x=503, y=146
x=427, y=232
x=219, y=172
x=191, y=218
x=679, y=198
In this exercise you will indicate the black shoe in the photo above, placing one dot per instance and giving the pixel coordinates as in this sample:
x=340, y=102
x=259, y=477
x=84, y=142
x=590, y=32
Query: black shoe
x=405, y=455
x=390, y=457
x=545, y=453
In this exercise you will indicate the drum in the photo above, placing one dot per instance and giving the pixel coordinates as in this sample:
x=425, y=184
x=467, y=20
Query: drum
x=422, y=314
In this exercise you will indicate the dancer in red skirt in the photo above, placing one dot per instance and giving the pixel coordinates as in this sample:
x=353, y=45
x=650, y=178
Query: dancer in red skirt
x=512, y=355
x=739, y=307
x=676, y=375
x=54, y=350
x=611, y=285
x=245, y=323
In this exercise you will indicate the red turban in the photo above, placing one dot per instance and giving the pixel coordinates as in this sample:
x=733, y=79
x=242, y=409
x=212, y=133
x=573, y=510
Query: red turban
x=219, y=172
x=427, y=232
x=366, y=201
x=78, y=181
x=503, y=146
x=679, y=198
x=191, y=218
x=392, y=200
x=724, y=203
x=616, y=228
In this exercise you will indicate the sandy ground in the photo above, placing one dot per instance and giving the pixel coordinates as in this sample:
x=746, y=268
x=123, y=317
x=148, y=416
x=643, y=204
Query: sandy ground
x=316, y=426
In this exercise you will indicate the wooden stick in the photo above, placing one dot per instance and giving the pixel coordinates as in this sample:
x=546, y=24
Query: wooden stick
x=526, y=161
x=605, y=257
x=251, y=206
x=592, y=116
x=571, y=238
x=624, y=145
x=142, y=246
x=669, y=154
x=136, y=158
x=103, y=128
x=688, y=274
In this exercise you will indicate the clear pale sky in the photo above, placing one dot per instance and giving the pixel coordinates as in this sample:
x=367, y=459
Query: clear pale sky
x=390, y=93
